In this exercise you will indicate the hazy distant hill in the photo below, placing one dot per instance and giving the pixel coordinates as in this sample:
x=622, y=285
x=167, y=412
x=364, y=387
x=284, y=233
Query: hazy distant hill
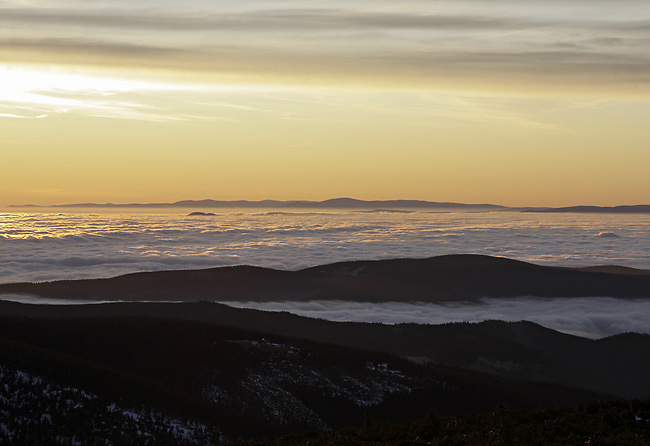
x=352, y=204
x=437, y=279
x=636, y=209
x=335, y=203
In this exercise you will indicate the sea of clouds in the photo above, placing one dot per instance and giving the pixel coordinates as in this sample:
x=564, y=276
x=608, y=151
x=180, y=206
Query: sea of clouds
x=590, y=317
x=42, y=246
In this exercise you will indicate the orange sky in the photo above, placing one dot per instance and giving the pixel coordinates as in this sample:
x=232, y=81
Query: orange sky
x=536, y=103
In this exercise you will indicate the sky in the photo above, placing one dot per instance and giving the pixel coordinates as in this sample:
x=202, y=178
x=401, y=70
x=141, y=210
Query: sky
x=502, y=101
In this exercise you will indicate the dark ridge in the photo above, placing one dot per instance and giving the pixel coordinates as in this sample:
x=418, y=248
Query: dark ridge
x=619, y=365
x=614, y=269
x=167, y=363
x=450, y=278
x=613, y=423
x=103, y=377
x=386, y=211
x=201, y=214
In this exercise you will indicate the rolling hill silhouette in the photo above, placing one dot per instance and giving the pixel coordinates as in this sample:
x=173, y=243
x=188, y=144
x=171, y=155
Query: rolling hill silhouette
x=450, y=278
x=245, y=383
x=618, y=365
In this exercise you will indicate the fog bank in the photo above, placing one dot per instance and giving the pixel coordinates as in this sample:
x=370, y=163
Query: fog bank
x=591, y=317
x=39, y=247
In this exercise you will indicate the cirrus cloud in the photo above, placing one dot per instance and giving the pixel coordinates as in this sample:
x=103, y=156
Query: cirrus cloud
x=432, y=46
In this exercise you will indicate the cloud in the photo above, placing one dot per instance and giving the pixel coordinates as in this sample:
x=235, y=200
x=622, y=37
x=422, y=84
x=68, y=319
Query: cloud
x=40, y=94
x=42, y=246
x=291, y=20
x=516, y=70
x=38, y=300
x=52, y=267
x=104, y=48
x=592, y=317
x=279, y=20
x=403, y=47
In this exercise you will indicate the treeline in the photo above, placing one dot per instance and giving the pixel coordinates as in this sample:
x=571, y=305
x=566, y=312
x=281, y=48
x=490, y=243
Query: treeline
x=613, y=423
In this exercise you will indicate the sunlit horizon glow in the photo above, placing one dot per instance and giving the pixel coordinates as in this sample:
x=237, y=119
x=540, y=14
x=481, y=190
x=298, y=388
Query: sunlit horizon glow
x=520, y=104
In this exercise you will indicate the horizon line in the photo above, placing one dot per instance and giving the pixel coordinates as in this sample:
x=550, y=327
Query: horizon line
x=344, y=203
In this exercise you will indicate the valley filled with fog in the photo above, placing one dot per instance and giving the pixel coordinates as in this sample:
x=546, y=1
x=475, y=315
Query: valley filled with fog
x=590, y=317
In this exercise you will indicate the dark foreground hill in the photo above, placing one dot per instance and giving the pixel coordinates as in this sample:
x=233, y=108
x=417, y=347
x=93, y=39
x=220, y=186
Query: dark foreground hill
x=437, y=279
x=617, y=423
x=618, y=365
x=128, y=380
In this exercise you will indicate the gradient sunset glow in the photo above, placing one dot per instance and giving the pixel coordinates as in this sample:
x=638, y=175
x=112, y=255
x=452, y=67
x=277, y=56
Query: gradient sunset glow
x=507, y=102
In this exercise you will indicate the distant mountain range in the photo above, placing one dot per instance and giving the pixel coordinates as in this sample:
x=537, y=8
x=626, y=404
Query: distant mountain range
x=638, y=209
x=335, y=203
x=352, y=204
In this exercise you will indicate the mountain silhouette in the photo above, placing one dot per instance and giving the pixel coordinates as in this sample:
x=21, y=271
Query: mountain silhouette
x=450, y=278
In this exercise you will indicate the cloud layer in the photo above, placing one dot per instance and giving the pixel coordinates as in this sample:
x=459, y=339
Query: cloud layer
x=593, y=317
x=39, y=247
x=441, y=44
x=590, y=317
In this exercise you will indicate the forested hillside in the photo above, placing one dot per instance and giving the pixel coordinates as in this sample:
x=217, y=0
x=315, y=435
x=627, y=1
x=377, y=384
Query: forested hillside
x=618, y=423
x=232, y=383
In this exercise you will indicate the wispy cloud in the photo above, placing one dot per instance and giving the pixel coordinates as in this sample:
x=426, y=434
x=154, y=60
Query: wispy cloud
x=432, y=45
x=279, y=20
x=291, y=20
x=39, y=94
x=527, y=69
